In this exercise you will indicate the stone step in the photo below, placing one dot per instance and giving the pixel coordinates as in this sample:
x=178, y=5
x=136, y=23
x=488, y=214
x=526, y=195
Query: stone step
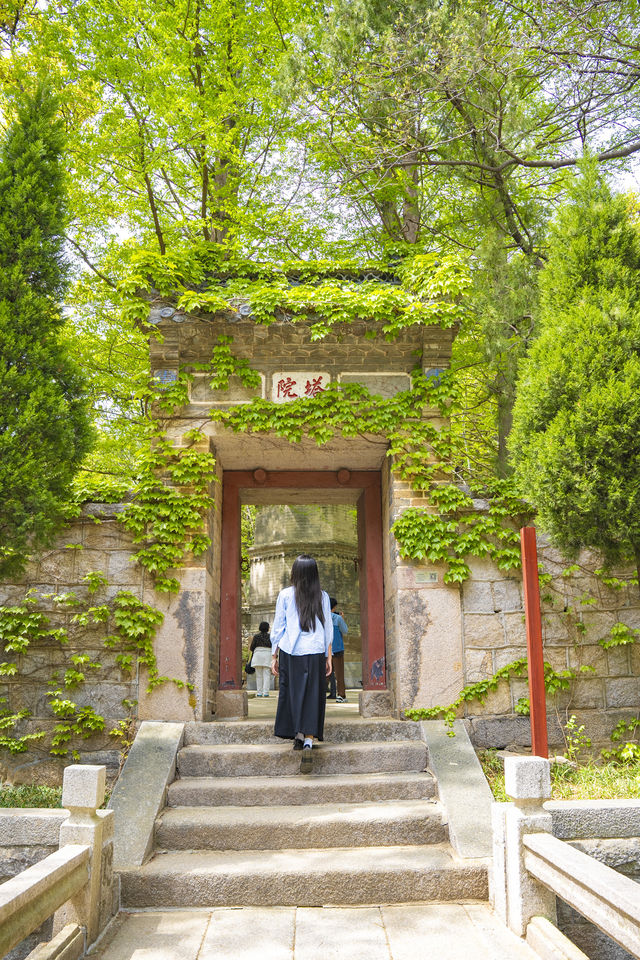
x=278, y=759
x=398, y=874
x=297, y=790
x=274, y=828
x=335, y=731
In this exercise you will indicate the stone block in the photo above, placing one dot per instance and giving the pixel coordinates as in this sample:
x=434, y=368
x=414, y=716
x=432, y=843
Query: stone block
x=618, y=662
x=83, y=786
x=477, y=597
x=549, y=943
x=519, y=689
x=597, y=625
x=527, y=778
x=478, y=665
x=507, y=733
x=507, y=595
x=608, y=598
x=583, y=819
x=507, y=655
x=515, y=630
x=588, y=655
x=555, y=628
x=379, y=383
x=622, y=692
x=122, y=569
x=462, y=788
x=232, y=704
x=375, y=703
x=483, y=569
x=630, y=616
x=68, y=944
x=587, y=693
x=152, y=762
x=483, y=630
x=88, y=561
x=557, y=657
x=496, y=702
x=19, y=827
x=58, y=567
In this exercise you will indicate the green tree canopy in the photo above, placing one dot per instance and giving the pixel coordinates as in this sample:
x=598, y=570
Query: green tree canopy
x=576, y=434
x=44, y=425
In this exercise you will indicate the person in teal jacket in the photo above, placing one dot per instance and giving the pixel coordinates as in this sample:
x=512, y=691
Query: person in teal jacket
x=337, y=649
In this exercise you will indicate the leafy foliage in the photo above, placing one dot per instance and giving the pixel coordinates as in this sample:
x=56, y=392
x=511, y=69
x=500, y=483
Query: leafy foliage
x=576, y=436
x=129, y=628
x=44, y=425
x=169, y=503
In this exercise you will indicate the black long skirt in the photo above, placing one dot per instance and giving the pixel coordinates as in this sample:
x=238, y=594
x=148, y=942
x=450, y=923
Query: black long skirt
x=302, y=697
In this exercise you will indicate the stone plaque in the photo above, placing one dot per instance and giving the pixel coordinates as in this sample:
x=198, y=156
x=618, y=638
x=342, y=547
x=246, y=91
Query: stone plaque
x=201, y=391
x=426, y=576
x=383, y=384
x=292, y=385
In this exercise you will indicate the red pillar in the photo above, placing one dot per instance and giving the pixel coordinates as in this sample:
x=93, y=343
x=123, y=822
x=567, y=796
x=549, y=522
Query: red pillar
x=374, y=669
x=230, y=633
x=537, y=697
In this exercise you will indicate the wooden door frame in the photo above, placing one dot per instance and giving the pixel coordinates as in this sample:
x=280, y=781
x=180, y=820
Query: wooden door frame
x=369, y=507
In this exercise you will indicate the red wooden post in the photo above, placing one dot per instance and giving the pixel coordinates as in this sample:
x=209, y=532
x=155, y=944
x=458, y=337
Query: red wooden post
x=230, y=637
x=537, y=699
x=374, y=668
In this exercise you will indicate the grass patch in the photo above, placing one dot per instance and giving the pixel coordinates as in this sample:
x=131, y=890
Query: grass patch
x=586, y=781
x=30, y=795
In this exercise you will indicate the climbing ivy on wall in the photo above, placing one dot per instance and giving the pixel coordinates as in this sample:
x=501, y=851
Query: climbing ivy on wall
x=129, y=627
x=171, y=499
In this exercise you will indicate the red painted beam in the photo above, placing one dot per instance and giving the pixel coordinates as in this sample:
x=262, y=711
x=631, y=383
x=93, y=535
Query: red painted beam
x=301, y=479
x=533, y=619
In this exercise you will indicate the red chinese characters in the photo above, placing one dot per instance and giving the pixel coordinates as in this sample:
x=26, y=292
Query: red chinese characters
x=290, y=385
x=313, y=387
x=285, y=389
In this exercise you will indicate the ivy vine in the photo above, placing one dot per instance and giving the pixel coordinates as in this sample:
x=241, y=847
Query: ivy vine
x=129, y=626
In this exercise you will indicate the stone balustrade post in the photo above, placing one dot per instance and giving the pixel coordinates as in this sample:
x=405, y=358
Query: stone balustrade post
x=83, y=792
x=516, y=895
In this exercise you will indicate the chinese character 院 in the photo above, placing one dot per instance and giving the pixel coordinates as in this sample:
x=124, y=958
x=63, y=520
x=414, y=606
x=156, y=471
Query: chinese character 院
x=285, y=389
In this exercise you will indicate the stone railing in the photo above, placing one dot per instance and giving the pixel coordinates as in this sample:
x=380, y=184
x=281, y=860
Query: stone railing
x=75, y=883
x=531, y=868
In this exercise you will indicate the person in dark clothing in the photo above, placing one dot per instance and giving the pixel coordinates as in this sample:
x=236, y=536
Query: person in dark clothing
x=301, y=641
x=261, y=659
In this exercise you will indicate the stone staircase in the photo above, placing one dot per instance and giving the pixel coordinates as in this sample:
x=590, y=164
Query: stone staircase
x=243, y=827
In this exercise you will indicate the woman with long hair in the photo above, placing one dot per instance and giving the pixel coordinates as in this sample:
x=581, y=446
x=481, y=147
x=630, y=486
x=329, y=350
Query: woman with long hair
x=301, y=639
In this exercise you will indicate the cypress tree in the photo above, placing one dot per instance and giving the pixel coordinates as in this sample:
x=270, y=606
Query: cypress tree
x=45, y=429
x=576, y=435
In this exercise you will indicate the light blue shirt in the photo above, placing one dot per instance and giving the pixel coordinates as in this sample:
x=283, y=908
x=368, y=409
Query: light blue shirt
x=286, y=632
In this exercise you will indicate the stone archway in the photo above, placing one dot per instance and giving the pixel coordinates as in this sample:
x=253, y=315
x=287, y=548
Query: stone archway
x=359, y=488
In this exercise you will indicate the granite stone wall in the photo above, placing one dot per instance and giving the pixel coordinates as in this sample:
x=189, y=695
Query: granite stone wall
x=96, y=541
x=578, y=611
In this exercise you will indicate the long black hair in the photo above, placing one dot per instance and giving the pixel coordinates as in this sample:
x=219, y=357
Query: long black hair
x=306, y=584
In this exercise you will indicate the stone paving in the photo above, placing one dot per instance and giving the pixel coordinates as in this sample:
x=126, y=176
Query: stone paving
x=433, y=931
x=265, y=708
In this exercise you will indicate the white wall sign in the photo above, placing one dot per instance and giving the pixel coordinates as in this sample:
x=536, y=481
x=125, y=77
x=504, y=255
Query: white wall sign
x=292, y=385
